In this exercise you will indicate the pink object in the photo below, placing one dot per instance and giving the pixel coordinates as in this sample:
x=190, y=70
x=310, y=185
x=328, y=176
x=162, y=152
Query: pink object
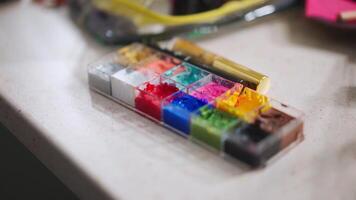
x=328, y=10
x=209, y=91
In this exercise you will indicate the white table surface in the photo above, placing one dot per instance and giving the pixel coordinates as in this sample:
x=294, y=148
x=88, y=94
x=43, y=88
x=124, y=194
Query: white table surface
x=103, y=151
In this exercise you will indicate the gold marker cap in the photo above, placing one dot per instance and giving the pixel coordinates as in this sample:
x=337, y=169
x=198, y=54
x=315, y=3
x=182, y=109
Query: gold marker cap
x=190, y=49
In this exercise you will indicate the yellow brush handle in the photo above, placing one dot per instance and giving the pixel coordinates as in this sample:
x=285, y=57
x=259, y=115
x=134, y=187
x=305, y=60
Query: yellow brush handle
x=144, y=16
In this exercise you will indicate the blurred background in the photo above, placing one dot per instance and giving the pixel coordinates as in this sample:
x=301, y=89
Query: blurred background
x=111, y=23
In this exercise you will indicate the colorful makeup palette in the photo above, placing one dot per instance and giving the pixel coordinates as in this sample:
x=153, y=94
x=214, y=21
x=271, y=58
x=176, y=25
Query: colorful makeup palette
x=228, y=117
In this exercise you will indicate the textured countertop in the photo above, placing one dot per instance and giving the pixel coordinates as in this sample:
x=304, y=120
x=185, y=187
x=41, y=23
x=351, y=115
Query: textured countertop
x=103, y=151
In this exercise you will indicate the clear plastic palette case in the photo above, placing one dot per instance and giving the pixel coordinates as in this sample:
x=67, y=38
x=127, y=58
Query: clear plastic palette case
x=225, y=116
